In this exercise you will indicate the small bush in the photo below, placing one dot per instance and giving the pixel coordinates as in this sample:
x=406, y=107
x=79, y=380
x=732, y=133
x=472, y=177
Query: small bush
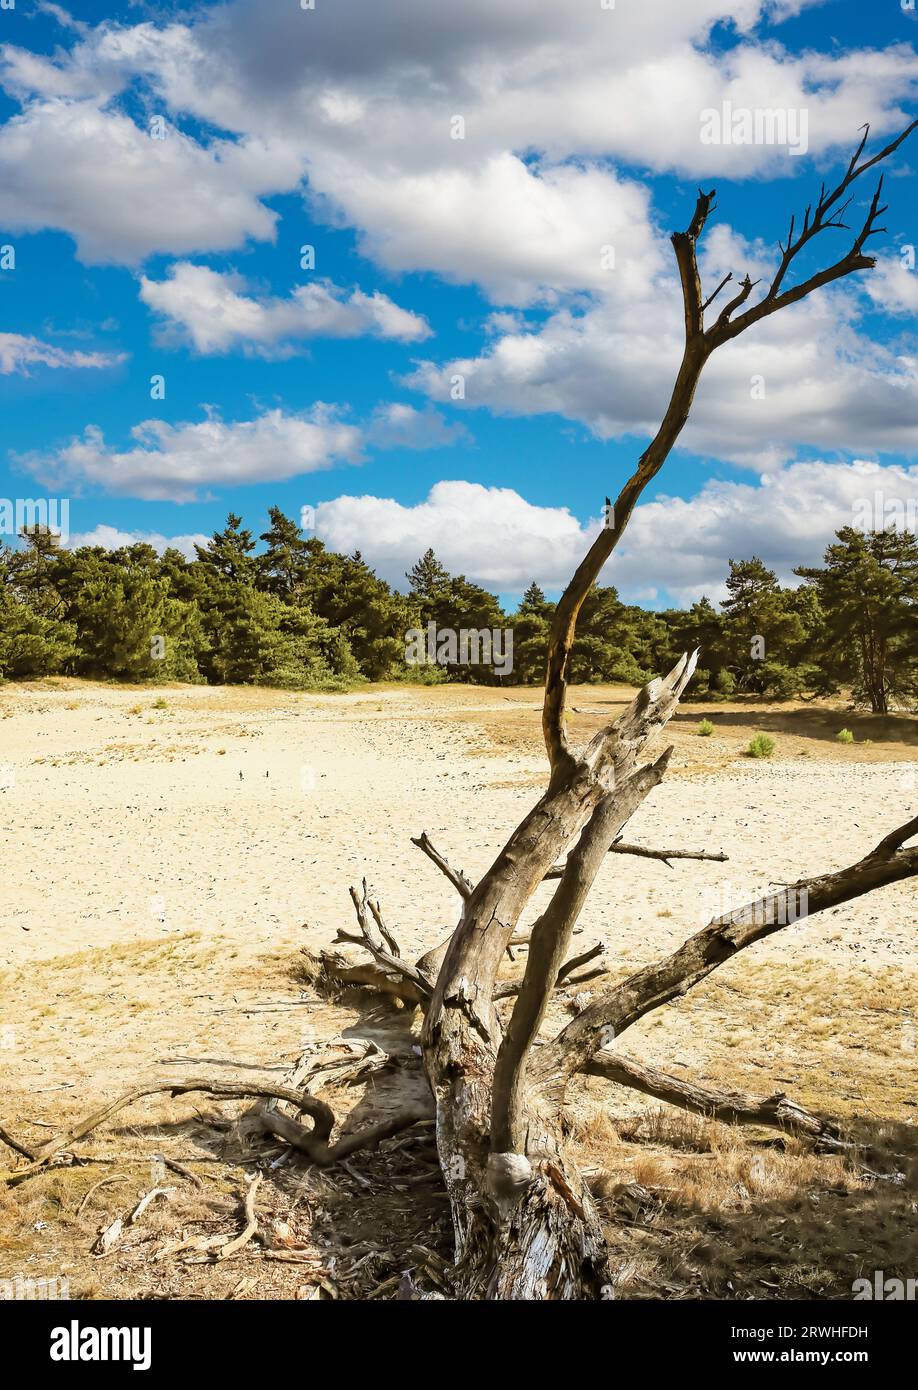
x=761, y=746
x=844, y=736
x=705, y=729
x=159, y=704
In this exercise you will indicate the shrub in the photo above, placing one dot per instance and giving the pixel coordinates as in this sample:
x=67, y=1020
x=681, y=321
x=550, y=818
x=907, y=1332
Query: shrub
x=844, y=736
x=761, y=746
x=705, y=729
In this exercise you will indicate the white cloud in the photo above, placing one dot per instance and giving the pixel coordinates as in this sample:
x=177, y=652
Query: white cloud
x=123, y=196
x=685, y=544
x=522, y=231
x=111, y=538
x=361, y=98
x=824, y=386
x=175, y=462
x=893, y=287
x=19, y=352
x=399, y=426
x=681, y=546
x=213, y=313
x=489, y=533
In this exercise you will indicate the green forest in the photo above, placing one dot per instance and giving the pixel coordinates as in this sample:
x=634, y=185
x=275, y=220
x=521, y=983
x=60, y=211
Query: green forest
x=290, y=613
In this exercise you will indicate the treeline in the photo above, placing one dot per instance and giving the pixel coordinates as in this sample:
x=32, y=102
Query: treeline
x=294, y=614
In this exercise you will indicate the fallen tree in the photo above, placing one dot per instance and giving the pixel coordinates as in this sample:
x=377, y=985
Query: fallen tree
x=524, y=1221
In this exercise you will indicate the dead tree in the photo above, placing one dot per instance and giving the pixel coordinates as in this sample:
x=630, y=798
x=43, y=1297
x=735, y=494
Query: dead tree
x=525, y=1225
x=524, y=1222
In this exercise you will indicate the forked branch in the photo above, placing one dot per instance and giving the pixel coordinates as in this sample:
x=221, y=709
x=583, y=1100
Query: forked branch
x=829, y=212
x=548, y=947
x=699, y=344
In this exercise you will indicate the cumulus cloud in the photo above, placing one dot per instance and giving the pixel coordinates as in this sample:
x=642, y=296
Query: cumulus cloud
x=893, y=286
x=492, y=534
x=175, y=462
x=803, y=377
x=361, y=99
x=19, y=352
x=684, y=545
x=523, y=231
x=673, y=546
x=123, y=196
x=111, y=538
x=213, y=313
x=399, y=426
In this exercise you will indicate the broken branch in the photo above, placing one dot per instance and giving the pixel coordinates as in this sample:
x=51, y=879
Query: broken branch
x=732, y=1107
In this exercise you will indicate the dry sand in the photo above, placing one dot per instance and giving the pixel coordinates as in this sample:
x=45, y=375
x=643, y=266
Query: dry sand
x=166, y=852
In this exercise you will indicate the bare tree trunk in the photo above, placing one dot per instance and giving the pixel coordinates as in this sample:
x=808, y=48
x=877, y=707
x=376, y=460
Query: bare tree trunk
x=525, y=1224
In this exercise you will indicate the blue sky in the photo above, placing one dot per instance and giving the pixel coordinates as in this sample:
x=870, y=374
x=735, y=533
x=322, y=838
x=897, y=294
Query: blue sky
x=329, y=387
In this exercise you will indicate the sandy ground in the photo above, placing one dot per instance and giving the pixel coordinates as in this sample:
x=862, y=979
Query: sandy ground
x=166, y=852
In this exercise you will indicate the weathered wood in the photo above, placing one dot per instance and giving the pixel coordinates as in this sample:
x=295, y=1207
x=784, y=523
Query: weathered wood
x=640, y=852
x=313, y=1142
x=732, y=1107
x=548, y=947
x=619, y=1007
x=524, y=1227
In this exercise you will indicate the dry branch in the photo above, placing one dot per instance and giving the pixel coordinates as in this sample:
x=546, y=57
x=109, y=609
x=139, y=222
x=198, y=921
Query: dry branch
x=619, y=847
x=718, y=942
x=457, y=878
x=549, y=941
x=565, y=975
x=815, y=222
x=314, y=1143
x=251, y=1223
x=387, y=956
x=732, y=1107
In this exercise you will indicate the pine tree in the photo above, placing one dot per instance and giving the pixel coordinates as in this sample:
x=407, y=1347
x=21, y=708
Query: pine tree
x=373, y=618
x=428, y=578
x=284, y=566
x=229, y=552
x=763, y=631
x=531, y=624
x=868, y=594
